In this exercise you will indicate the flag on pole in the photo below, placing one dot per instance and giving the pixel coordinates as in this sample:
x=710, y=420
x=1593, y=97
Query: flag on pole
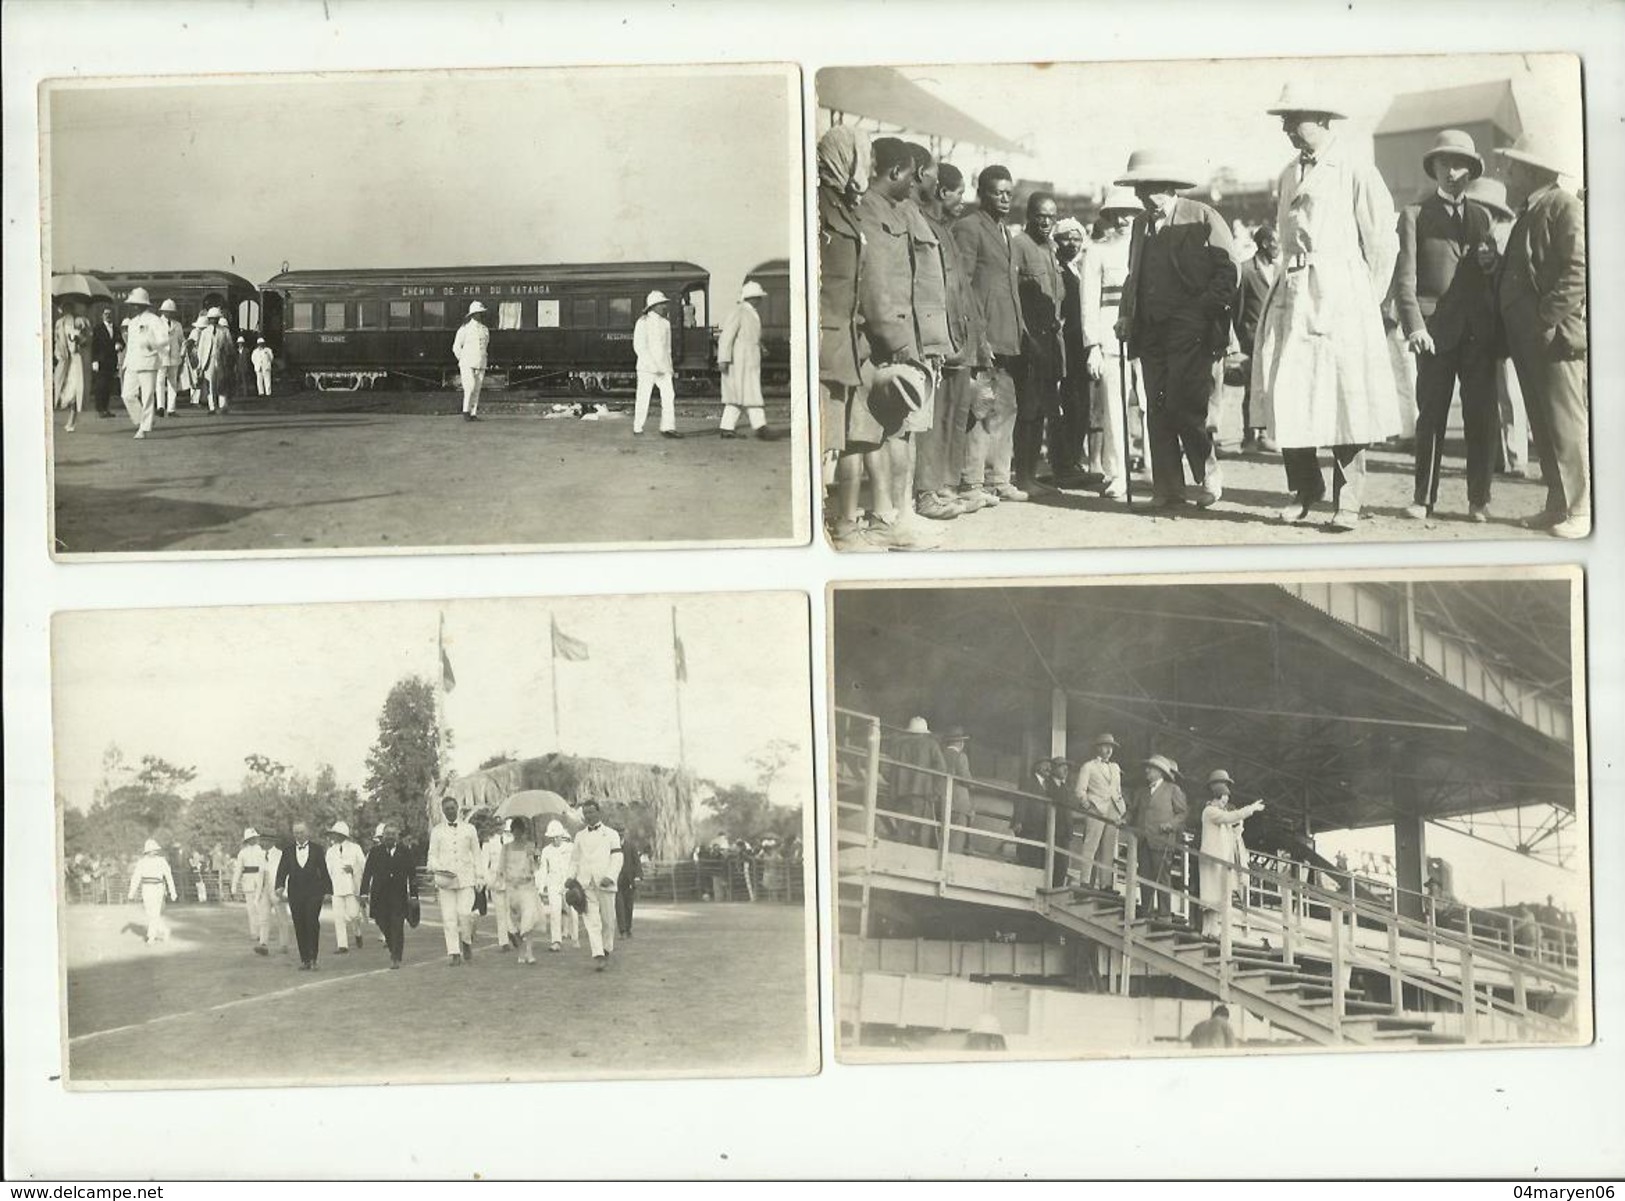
x=448, y=679
x=572, y=650
x=682, y=657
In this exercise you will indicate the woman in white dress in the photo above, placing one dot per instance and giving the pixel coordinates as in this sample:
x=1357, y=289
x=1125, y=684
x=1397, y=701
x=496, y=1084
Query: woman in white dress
x=1221, y=844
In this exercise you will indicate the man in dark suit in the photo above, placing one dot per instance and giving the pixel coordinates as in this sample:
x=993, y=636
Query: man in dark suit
x=302, y=881
x=1158, y=818
x=1257, y=276
x=1175, y=317
x=626, y=884
x=1540, y=290
x=1447, y=310
x=387, y=881
x=1038, y=387
x=104, y=348
x=985, y=252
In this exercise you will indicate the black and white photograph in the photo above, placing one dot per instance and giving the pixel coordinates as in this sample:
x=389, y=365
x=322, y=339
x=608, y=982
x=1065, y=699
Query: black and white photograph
x=1188, y=816
x=1207, y=302
x=426, y=311
x=397, y=843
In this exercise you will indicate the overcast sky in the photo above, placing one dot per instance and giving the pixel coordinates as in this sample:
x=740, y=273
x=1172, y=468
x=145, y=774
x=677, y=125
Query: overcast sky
x=428, y=169
x=305, y=684
x=1083, y=120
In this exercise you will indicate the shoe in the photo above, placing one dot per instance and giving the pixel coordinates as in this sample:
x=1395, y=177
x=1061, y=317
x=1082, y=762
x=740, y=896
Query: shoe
x=670, y=434
x=344, y=950
x=727, y=434
x=304, y=965
x=1115, y=490
x=514, y=941
x=897, y=535
x=1416, y=511
x=1207, y=495
x=599, y=962
x=852, y=536
x=394, y=964
x=504, y=948
x=1543, y=521
x=556, y=947
x=1036, y=487
x=140, y=434
x=1265, y=444
x=1007, y=491
x=261, y=951
x=468, y=950
x=313, y=965
x=468, y=416
x=768, y=434
x=976, y=498
x=1168, y=503
x=637, y=432
x=934, y=508
x=454, y=961
x=1478, y=514
x=1344, y=520
x=1571, y=527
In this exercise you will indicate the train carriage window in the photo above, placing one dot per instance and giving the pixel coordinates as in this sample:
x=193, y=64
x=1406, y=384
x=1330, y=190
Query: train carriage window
x=400, y=314
x=620, y=312
x=333, y=315
x=304, y=315
x=583, y=313
x=434, y=314
x=366, y=314
x=547, y=314
x=694, y=303
x=508, y=314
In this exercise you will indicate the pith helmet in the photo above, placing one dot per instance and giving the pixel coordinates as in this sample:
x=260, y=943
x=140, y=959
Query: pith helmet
x=1155, y=166
x=1121, y=200
x=654, y=298
x=752, y=291
x=1295, y=101
x=1458, y=143
x=169, y=306
x=138, y=296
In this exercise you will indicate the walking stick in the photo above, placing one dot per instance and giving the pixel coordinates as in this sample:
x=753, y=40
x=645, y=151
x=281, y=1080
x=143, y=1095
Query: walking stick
x=1122, y=398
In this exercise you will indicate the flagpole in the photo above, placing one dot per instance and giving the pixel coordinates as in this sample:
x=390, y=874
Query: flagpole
x=553, y=677
x=439, y=718
x=678, y=671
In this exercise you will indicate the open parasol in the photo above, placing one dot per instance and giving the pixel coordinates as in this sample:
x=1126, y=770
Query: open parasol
x=76, y=285
x=539, y=802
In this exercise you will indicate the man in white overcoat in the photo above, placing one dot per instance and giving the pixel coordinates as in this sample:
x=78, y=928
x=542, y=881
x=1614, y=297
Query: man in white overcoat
x=1321, y=370
x=739, y=355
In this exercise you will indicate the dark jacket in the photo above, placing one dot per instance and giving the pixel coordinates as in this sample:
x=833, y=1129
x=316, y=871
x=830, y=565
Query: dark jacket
x=308, y=882
x=1039, y=287
x=1164, y=805
x=1250, y=296
x=104, y=347
x=986, y=254
x=1542, y=276
x=1438, y=283
x=964, y=330
x=1198, y=245
x=918, y=756
x=930, y=285
x=388, y=880
x=841, y=348
x=886, y=285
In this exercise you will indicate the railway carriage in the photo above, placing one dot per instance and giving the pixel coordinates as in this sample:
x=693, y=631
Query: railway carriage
x=774, y=276
x=193, y=292
x=561, y=325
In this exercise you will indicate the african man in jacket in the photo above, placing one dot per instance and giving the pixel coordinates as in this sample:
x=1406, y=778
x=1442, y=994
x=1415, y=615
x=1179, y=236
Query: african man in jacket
x=1043, y=358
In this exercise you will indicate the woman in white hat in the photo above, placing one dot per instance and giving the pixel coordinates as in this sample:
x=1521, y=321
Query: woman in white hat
x=651, y=342
x=71, y=339
x=345, y=865
x=472, y=346
x=1224, y=855
x=739, y=355
x=151, y=879
x=551, y=873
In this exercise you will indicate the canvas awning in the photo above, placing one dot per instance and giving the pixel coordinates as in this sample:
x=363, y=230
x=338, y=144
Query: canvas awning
x=884, y=94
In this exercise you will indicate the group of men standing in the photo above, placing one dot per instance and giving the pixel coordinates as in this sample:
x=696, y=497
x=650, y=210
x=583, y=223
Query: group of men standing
x=150, y=358
x=957, y=352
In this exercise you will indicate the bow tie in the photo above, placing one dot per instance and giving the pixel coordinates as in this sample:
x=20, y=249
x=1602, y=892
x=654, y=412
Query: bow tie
x=1307, y=158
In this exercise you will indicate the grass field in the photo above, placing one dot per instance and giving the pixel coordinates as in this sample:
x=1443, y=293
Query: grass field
x=700, y=990
x=352, y=476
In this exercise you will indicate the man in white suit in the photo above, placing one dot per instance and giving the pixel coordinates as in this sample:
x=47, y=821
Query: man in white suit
x=459, y=868
x=651, y=342
x=249, y=881
x=472, y=346
x=345, y=863
x=597, y=866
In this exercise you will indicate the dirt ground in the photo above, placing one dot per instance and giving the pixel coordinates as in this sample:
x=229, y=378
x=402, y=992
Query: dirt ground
x=701, y=989
x=310, y=472
x=1254, y=492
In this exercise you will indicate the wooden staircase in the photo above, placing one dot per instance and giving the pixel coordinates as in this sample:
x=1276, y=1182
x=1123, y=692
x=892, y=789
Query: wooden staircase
x=1297, y=996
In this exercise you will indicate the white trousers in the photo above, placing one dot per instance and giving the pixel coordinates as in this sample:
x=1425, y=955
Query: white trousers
x=140, y=396
x=262, y=380
x=1108, y=417
x=456, y=917
x=347, y=920
x=1099, y=856
x=560, y=918
x=730, y=416
x=167, y=385
x=473, y=385
x=600, y=917
x=259, y=914
x=648, y=381
x=152, y=903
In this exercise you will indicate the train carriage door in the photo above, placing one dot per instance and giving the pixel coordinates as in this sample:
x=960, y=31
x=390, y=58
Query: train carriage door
x=248, y=316
x=691, y=336
x=272, y=319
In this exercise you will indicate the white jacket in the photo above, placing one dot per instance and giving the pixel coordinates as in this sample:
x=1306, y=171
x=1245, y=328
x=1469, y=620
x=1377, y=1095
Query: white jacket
x=248, y=874
x=739, y=350
x=152, y=869
x=651, y=342
x=598, y=856
x=342, y=855
x=145, y=340
x=262, y=357
x=472, y=343
x=557, y=861
x=456, y=849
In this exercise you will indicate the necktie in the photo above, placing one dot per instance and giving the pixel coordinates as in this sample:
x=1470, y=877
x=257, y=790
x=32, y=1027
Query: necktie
x=1306, y=163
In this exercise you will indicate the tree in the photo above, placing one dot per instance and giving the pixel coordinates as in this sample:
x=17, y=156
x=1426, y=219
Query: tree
x=740, y=812
x=133, y=805
x=403, y=766
x=498, y=759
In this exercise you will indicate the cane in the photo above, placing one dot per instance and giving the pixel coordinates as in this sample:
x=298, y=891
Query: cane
x=1122, y=399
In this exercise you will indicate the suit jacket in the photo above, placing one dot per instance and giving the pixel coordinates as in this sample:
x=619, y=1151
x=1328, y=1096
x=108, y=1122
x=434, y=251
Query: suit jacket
x=841, y=348
x=1437, y=280
x=987, y=255
x=389, y=880
x=1254, y=287
x=1161, y=806
x=310, y=881
x=1542, y=276
x=104, y=347
x=1199, y=245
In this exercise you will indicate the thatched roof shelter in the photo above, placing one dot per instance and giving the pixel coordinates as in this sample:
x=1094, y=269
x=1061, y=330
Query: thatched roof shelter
x=666, y=794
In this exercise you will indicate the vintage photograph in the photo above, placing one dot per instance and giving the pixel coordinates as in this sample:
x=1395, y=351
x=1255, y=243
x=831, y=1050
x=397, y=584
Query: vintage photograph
x=403, y=842
x=1178, y=816
x=1215, y=302
x=426, y=310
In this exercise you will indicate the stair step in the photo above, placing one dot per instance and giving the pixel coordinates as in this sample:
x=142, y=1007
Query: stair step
x=1278, y=974
x=1373, y=1008
x=1308, y=992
